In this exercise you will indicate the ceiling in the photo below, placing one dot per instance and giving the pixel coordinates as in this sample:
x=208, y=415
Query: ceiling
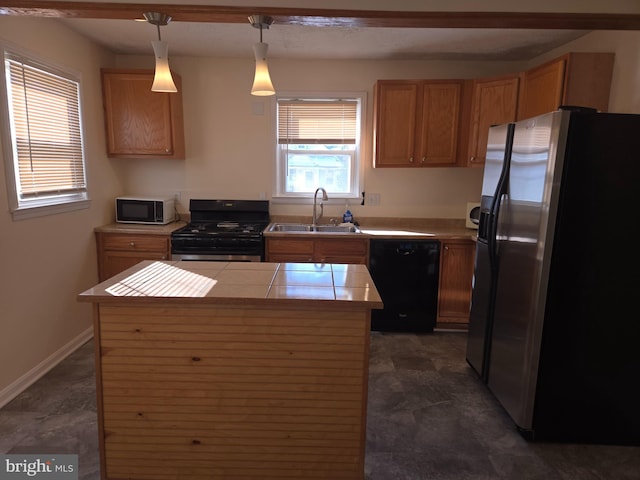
x=215, y=28
x=314, y=42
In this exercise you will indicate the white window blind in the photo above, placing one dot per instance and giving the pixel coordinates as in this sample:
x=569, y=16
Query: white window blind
x=44, y=112
x=321, y=122
x=318, y=146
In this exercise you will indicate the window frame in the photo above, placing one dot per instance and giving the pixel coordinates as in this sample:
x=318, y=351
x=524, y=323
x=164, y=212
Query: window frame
x=49, y=204
x=357, y=177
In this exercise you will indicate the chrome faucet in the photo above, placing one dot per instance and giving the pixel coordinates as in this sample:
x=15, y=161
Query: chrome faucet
x=315, y=217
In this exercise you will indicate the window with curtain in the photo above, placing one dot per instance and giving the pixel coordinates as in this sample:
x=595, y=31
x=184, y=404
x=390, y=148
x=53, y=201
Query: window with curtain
x=318, y=146
x=46, y=158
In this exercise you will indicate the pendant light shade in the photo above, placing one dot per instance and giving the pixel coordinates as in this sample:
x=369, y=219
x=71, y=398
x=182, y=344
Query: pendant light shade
x=262, y=85
x=162, y=81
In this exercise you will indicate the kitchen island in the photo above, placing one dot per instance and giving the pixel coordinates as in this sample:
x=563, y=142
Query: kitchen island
x=212, y=370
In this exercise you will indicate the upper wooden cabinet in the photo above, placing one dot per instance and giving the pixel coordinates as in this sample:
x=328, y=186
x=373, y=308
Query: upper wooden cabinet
x=577, y=79
x=494, y=101
x=141, y=123
x=416, y=122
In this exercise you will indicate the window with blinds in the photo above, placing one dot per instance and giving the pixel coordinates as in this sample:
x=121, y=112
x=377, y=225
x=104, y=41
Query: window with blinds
x=46, y=134
x=318, y=146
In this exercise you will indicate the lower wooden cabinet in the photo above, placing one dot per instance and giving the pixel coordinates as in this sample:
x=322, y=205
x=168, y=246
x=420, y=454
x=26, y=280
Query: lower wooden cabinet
x=226, y=391
x=320, y=250
x=119, y=251
x=454, y=292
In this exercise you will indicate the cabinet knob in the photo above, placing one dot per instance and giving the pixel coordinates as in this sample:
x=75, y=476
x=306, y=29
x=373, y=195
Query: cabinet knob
x=423, y=159
x=164, y=257
x=472, y=159
x=411, y=160
x=167, y=150
x=132, y=244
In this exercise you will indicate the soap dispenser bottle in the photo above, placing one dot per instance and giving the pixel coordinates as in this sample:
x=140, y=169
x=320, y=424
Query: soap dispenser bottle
x=348, y=216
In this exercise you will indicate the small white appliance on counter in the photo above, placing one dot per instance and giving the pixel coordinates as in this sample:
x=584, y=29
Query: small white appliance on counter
x=147, y=210
x=472, y=218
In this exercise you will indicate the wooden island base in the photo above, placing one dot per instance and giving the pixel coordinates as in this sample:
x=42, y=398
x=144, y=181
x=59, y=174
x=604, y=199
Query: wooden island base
x=261, y=388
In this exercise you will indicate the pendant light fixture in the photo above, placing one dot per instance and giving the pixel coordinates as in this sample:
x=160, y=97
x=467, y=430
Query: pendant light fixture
x=162, y=81
x=262, y=85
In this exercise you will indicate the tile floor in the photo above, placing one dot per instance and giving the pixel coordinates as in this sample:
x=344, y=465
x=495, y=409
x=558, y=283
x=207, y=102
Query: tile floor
x=429, y=419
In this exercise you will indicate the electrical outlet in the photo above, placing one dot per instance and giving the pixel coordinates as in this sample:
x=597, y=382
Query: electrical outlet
x=177, y=196
x=373, y=199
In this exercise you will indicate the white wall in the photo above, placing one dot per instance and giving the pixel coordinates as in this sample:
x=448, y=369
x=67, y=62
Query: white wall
x=45, y=262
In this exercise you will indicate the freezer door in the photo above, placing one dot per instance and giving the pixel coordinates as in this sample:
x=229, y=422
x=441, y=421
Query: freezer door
x=524, y=240
x=479, y=339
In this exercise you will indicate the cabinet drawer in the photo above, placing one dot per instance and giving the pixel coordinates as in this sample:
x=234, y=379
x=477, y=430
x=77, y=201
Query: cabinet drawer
x=290, y=246
x=341, y=247
x=136, y=243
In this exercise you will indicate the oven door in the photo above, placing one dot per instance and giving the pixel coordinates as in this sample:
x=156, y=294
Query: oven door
x=216, y=248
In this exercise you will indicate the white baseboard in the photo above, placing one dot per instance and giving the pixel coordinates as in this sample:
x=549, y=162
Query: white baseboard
x=21, y=384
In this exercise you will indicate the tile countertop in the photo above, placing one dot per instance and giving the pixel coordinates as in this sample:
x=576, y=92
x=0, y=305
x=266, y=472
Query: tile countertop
x=372, y=227
x=136, y=228
x=235, y=283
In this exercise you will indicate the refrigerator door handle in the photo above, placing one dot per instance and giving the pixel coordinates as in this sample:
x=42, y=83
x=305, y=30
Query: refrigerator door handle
x=496, y=232
x=501, y=191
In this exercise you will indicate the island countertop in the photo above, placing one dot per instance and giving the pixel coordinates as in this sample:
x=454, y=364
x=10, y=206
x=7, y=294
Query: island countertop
x=236, y=282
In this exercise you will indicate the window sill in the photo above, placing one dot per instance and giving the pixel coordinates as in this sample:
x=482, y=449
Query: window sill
x=309, y=200
x=23, y=213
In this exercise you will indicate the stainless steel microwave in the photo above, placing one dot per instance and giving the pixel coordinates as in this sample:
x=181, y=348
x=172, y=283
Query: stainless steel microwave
x=149, y=210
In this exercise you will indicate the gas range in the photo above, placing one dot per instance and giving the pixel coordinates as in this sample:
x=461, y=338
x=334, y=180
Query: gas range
x=222, y=230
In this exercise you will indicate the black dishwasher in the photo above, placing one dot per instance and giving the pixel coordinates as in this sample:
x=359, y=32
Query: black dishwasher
x=406, y=276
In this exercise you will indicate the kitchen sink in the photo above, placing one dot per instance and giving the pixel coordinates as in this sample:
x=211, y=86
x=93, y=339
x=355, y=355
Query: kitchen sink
x=291, y=227
x=307, y=227
x=337, y=228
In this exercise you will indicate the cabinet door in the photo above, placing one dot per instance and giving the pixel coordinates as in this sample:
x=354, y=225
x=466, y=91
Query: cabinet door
x=335, y=250
x=494, y=102
x=323, y=250
x=542, y=89
x=139, y=122
x=289, y=250
x=395, y=123
x=456, y=273
x=438, y=126
x=117, y=251
x=115, y=262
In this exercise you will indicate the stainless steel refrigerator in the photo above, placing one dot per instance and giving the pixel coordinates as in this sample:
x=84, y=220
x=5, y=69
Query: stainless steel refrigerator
x=555, y=326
